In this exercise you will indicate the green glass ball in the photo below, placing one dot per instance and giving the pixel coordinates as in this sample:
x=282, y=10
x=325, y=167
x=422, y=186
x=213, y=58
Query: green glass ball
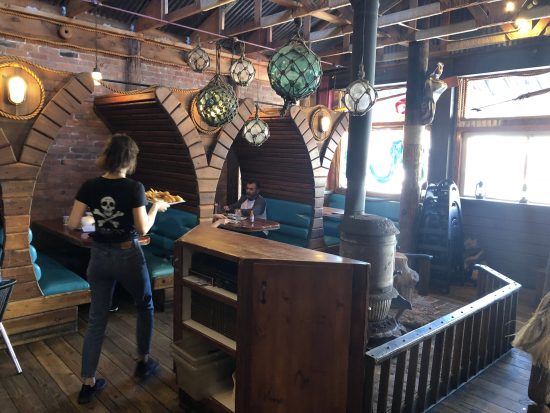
x=294, y=71
x=217, y=104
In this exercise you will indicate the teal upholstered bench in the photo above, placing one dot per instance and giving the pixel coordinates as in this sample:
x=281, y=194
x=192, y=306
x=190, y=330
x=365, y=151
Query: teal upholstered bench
x=168, y=227
x=54, y=278
x=294, y=218
x=375, y=206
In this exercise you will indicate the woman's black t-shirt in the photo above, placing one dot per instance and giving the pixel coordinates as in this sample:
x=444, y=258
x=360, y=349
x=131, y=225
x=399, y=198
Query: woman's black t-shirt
x=112, y=202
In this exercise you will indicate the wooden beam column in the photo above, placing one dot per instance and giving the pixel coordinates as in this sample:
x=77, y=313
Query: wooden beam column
x=365, y=21
x=412, y=144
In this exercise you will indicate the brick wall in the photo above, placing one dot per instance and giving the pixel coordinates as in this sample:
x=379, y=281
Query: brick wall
x=71, y=158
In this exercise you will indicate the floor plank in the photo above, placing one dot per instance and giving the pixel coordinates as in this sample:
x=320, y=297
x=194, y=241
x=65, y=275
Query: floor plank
x=41, y=382
x=5, y=401
x=67, y=380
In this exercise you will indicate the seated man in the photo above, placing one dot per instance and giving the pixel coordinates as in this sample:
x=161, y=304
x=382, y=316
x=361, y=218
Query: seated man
x=252, y=201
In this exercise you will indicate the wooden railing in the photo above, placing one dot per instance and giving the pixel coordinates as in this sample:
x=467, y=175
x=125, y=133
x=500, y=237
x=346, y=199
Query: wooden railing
x=416, y=370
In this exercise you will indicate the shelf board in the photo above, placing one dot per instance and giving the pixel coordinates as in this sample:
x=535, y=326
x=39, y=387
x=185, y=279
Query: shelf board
x=195, y=283
x=225, y=398
x=216, y=338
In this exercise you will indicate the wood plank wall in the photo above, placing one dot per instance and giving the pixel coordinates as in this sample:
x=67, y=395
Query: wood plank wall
x=164, y=162
x=515, y=237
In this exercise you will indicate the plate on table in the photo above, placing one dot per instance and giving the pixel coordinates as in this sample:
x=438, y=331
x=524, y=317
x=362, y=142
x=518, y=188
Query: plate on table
x=235, y=218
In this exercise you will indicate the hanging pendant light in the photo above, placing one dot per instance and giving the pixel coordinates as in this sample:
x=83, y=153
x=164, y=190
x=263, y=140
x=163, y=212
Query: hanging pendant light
x=360, y=96
x=256, y=131
x=242, y=71
x=294, y=71
x=197, y=59
x=217, y=103
x=96, y=74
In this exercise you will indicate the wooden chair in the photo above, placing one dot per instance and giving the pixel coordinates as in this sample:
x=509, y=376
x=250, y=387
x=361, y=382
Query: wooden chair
x=5, y=291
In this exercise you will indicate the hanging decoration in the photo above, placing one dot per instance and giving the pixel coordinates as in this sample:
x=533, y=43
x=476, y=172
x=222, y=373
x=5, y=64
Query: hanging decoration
x=294, y=71
x=217, y=102
x=360, y=96
x=96, y=73
x=197, y=59
x=242, y=71
x=256, y=131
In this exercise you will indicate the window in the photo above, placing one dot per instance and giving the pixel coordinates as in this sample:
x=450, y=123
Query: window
x=499, y=96
x=385, y=161
x=504, y=128
x=505, y=162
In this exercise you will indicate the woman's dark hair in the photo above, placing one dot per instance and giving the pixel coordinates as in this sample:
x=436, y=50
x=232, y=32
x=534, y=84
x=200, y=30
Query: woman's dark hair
x=120, y=152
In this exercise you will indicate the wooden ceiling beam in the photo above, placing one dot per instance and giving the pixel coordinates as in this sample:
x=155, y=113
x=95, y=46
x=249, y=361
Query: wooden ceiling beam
x=199, y=6
x=403, y=16
x=76, y=7
x=291, y=4
x=285, y=16
x=331, y=18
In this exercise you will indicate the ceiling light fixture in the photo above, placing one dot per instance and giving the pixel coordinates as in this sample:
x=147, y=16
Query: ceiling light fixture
x=523, y=25
x=509, y=7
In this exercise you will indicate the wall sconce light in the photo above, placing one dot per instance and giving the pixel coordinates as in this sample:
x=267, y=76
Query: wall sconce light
x=509, y=7
x=320, y=122
x=325, y=124
x=17, y=90
x=22, y=93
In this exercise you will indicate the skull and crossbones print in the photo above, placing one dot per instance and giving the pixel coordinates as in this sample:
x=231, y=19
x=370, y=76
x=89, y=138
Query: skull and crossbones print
x=108, y=213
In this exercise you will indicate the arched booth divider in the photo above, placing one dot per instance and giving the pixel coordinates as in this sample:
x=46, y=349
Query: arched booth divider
x=30, y=309
x=173, y=154
x=292, y=172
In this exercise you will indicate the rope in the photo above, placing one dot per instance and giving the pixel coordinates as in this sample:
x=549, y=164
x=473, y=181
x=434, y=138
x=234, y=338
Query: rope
x=37, y=110
x=108, y=33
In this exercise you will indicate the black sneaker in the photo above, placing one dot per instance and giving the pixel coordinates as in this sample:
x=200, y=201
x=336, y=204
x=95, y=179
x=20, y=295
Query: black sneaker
x=113, y=308
x=146, y=369
x=87, y=393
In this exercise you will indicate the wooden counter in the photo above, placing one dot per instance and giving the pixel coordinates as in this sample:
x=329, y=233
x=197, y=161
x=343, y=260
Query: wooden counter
x=294, y=320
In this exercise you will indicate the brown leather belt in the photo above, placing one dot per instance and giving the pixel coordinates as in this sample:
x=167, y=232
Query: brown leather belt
x=126, y=245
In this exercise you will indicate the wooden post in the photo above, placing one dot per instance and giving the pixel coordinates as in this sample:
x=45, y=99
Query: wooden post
x=412, y=145
x=365, y=22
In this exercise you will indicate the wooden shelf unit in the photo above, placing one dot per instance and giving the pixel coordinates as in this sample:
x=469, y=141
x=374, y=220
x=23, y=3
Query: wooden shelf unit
x=299, y=317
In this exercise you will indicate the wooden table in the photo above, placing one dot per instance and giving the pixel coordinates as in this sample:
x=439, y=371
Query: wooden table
x=249, y=227
x=74, y=237
x=333, y=212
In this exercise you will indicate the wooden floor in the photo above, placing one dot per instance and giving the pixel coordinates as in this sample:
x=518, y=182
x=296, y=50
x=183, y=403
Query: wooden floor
x=51, y=370
x=502, y=388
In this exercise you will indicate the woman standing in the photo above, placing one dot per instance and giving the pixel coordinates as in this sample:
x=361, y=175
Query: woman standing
x=118, y=206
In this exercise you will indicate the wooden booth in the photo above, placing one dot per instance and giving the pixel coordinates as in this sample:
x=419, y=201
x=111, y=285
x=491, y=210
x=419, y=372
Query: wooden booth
x=292, y=167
